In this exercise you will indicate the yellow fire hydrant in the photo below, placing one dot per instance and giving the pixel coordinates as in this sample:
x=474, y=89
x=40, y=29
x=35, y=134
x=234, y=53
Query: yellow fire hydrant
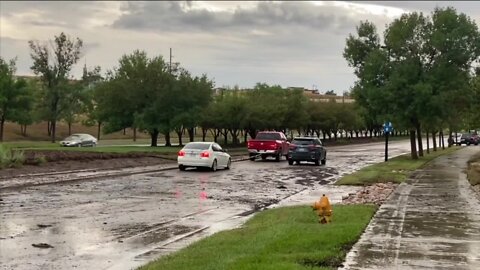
x=324, y=210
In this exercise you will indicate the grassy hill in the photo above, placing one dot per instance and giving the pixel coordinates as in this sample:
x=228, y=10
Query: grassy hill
x=38, y=132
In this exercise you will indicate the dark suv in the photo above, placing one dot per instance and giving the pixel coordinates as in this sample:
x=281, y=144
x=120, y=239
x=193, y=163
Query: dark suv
x=307, y=149
x=468, y=139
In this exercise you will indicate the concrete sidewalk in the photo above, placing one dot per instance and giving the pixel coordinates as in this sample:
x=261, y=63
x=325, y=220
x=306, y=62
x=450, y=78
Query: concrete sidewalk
x=432, y=221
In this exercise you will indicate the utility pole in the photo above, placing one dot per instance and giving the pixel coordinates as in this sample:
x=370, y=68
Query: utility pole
x=170, y=65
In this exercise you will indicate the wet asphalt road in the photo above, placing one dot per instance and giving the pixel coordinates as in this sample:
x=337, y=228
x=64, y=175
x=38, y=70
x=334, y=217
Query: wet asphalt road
x=123, y=222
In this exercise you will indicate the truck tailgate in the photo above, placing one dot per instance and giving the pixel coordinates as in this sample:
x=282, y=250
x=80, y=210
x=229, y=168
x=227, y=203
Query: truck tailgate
x=262, y=145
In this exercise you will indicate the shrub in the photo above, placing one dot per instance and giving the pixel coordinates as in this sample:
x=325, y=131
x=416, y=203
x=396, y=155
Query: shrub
x=10, y=158
x=5, y=156
x=17, y=158
x=39, y=160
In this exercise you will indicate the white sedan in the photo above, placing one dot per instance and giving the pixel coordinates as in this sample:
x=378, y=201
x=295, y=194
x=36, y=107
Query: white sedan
x=203, y=154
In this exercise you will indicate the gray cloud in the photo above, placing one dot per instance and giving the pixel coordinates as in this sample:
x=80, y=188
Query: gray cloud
x=68, y=14
x=287, y=43
x=178, y=16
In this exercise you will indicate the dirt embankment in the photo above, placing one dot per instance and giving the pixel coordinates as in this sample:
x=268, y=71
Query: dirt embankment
x=473, y=172
x=54, y=161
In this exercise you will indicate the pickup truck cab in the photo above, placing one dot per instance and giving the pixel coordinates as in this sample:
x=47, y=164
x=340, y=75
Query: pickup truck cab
x=268, y=144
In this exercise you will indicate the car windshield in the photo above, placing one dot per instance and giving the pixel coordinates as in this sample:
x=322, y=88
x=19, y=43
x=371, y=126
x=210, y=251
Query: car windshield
x=197, y=146
x=73, y=137
x=466, y=136
x=268, y=136
x=302, y=141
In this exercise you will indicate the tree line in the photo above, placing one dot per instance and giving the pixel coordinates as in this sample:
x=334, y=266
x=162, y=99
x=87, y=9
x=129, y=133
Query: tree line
x=421, y=77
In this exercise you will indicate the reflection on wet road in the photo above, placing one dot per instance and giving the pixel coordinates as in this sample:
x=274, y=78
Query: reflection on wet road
x=122, y=222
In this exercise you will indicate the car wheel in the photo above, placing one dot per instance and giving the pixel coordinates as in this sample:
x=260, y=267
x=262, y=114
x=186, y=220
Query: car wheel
x=229, y=164
x=317, y=162
x=297, y=162
x=324, y=160
x=277, y=157
x=264, y=157
x=181, y=167
x=214, y=165
x=290, y=162
x=252, y=158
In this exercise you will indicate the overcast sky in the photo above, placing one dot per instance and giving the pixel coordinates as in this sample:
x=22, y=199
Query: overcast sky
x=234, y=43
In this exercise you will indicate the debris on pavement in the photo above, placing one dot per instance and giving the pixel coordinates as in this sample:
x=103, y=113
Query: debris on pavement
x=42, y=245
x=376, y=194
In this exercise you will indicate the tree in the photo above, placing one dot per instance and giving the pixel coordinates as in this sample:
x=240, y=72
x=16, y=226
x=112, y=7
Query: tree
x=26, y=113
x=193, y=95
x=266, y=108
x=91, y=82
x=15, y=96
x=133, y=93
x=330, y=93
x=296, y=115
x=53, y=61
x=234, y=110
x=418, y=73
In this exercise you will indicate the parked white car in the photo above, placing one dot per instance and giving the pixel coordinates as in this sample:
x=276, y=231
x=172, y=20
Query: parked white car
x=203, y=154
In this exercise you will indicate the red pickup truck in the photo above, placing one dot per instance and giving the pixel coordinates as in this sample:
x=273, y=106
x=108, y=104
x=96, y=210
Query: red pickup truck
x=268, y=143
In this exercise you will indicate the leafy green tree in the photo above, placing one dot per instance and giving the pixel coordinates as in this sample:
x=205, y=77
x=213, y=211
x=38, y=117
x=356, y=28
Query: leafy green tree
x=91, y=82
x=15, y=96
x=139, y=89
x=25, y=114
x=193, y=95
x=234, y=111
x=53, y=62
x=211, y=118
x=296, y=115
x=419, y=75
x=266, y=108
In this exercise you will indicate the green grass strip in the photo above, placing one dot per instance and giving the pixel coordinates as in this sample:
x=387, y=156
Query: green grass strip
x=395, y=170
x=276, y=239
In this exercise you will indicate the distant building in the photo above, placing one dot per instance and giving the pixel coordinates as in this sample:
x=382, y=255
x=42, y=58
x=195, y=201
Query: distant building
x=312, y=94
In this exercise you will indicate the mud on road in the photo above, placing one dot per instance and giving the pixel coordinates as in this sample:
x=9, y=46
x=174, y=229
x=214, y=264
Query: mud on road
x=121, y=222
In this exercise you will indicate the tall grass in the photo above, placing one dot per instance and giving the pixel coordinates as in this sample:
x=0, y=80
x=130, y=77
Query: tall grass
x=10, y=158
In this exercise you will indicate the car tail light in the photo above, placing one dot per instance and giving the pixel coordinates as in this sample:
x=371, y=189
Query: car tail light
x=181, y=153
x=205, y=154
x=292, y=147
x=249, y=144
x=273, y=145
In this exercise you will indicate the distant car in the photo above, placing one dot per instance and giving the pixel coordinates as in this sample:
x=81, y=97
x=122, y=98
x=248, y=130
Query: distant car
x=468, y=139
x=307, y=149
x=79, y=140
x=203, y=154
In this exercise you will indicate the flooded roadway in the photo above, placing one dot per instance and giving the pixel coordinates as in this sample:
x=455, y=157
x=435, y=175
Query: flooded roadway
x=122, y=222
